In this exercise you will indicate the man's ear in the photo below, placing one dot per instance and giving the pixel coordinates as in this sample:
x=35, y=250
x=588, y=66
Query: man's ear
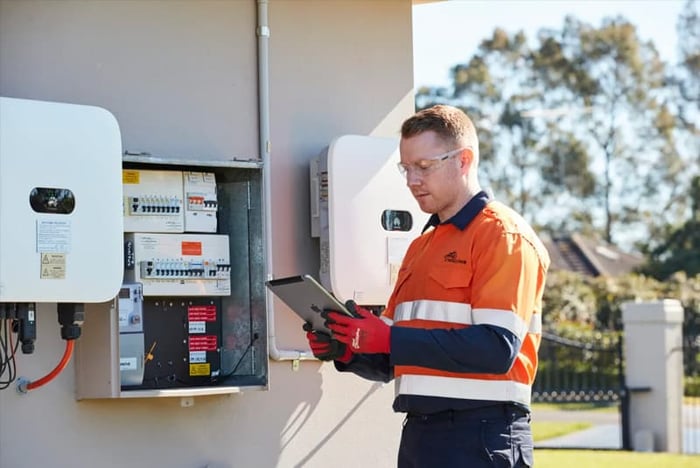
x=466, y=157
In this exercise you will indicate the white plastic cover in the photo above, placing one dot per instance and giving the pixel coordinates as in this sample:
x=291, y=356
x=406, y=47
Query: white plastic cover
x=71, y=251
x=365, y=186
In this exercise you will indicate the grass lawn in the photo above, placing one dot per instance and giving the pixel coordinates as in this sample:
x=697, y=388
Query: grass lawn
x=548, y=458
x=603, y=458
x=582, y=406
x=543, y=430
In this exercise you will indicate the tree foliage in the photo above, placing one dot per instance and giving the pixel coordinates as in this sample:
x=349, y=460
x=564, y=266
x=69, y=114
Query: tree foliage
x=588, y=121
x=679, y=251
x=576, y=306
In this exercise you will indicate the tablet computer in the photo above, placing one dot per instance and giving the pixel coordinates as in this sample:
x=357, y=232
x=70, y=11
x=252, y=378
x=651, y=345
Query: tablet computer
x=307, y=298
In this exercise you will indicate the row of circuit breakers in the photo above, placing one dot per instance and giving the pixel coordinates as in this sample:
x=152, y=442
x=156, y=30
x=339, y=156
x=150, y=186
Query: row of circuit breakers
x=177, y=269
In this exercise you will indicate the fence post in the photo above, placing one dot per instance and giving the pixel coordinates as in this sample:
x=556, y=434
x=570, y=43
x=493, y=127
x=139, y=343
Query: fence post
x=654, y=373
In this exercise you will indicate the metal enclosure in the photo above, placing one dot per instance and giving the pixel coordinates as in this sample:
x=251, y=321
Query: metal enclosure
x=243, y=339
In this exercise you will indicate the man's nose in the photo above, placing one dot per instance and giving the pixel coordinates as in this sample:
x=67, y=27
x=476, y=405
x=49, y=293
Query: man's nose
x=413, y=177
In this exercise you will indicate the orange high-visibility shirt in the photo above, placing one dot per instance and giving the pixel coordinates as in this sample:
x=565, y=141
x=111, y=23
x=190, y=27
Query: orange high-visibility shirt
x=491, y=272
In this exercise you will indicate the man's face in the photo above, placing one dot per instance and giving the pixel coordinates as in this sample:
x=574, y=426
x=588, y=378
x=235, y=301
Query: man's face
x=433, y=173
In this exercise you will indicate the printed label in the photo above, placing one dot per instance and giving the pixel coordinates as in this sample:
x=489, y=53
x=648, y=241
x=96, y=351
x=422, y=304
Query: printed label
x=203, y=343
x=53, y=266
x=53, y=236
x=200, y=369
x=197, y=327
x=198, y=356
x=131, y=177
x=191, y=248
x=127, y=364
x=205, y=313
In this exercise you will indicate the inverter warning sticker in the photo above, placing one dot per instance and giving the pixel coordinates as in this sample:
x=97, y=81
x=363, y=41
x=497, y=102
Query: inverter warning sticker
x=53, y=266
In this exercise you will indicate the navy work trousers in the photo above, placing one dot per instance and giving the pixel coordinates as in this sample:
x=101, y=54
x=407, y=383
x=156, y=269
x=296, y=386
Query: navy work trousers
x=495, y=436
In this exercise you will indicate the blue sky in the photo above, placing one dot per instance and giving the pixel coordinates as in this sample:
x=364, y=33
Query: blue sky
x=446, y=33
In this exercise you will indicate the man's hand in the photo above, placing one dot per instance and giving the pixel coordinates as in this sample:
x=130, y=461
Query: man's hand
x=365, y=333
x=326, y=348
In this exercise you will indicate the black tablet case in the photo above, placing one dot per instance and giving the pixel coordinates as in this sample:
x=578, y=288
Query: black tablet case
x=307, y=298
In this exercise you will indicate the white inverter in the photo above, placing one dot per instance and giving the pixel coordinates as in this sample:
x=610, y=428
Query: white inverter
x=364, y=215
x=61, y=223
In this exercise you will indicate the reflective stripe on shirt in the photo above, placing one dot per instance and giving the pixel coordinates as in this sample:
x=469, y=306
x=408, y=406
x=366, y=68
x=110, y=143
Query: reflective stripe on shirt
x=462, y=314
x=451, y=312
x=463, y=388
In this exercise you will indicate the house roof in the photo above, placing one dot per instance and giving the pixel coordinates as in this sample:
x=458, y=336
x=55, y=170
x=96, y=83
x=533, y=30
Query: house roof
x=589, y=256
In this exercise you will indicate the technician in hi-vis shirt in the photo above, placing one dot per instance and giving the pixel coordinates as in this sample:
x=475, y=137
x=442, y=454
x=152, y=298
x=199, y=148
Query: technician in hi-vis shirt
x=462, y=328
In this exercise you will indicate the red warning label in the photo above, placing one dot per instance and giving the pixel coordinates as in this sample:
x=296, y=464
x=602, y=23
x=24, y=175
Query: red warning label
x=201, y=313
x=203, y=343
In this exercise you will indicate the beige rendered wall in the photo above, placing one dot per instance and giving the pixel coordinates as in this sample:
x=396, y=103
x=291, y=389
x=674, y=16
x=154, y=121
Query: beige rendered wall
x=181, y=77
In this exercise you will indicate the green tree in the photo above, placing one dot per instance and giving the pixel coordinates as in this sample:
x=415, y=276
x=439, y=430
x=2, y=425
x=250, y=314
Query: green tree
x=581, y=123
x=680, y=249
x=616, y=81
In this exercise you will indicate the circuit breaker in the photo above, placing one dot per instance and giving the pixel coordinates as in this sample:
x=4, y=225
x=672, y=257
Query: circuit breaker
x=179, y=264
x=153, y=201
x=364, y=215
x=60, y=203
x=201, y=204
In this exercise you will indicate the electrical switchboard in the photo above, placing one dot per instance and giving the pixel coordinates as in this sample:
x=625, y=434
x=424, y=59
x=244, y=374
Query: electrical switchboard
x=153, y=201
x=180, y=264
x=201, y=204
x=191, y=316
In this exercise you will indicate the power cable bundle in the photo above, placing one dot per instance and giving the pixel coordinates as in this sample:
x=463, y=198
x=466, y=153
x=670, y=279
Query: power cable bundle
x=9, y=344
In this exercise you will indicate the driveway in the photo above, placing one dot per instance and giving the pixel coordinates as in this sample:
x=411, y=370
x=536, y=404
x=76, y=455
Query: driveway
x=606, y=432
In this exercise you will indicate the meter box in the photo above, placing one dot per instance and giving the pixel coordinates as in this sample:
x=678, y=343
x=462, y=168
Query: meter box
x=153, y=201
x=60, y=202
x=131, y=338
x=184, y=322
x=201, y=204
x=179, y=264
x=182, y=338
x=364, y=216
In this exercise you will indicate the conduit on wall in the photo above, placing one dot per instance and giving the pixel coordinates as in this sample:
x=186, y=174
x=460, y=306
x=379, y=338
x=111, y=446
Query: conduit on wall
x=263, y=33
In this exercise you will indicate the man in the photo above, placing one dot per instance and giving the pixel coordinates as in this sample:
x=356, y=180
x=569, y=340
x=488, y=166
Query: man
x=461, y=330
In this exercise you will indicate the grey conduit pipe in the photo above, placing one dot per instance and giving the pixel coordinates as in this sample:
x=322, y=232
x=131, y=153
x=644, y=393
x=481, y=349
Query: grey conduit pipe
x=263, y=33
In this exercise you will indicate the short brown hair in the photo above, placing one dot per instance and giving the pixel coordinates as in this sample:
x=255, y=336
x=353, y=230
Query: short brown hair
x=450, y=123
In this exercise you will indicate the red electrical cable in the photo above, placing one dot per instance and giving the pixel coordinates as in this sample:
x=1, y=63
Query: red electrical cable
x=57, y=370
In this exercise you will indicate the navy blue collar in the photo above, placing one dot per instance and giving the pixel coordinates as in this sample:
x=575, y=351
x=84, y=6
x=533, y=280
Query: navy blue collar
x=463, y=216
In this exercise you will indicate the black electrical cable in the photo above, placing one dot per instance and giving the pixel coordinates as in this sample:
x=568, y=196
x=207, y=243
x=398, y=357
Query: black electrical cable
x=8, y=365
x=253, y=339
